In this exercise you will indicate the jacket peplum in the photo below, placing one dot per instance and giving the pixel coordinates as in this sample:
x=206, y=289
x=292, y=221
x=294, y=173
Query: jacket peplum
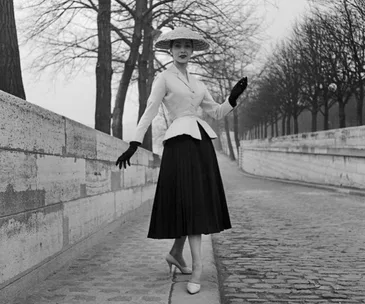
x=182, y=99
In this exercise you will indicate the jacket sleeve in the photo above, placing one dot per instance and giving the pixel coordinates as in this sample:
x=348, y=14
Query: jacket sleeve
x=157, y=94
x=214, y=109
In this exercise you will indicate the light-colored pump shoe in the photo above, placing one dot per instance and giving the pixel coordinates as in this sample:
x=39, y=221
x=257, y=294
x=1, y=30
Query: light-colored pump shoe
x=193, y=287
x=172, y=261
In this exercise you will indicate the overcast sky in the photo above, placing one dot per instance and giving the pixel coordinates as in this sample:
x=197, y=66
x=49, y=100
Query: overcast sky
x=75, y=98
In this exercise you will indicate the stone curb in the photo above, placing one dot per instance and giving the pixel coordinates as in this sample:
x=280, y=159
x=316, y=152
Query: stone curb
x=312, y=185
x=209, y=292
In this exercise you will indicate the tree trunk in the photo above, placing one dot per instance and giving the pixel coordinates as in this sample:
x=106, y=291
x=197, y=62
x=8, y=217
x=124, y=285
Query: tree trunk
x=276, y=126
x=103, y=69
x=341, y=113
x=151, y=74
x=296, y=126
x=235, y=130
x=283, y=119
x=229, y=142
x=129, y=66
x=314, y=113
x=359, y=105
x=10, y=68
x=217, y=142
x=326, y=112
x=288, y=127
x=144, y=77
x=261, y=130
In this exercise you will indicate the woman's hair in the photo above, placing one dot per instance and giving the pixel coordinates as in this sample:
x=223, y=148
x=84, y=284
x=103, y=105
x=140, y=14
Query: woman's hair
x=172, y=42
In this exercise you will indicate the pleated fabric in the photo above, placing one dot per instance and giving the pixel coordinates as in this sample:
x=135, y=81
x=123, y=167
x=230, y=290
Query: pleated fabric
x=189, y=196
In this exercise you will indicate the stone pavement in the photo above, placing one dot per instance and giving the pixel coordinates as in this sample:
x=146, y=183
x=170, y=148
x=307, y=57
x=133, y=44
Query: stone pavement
x=290, y=243
x=125, y=267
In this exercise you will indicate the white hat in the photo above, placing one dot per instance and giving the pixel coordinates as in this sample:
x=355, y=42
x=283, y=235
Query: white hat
x=164, y=41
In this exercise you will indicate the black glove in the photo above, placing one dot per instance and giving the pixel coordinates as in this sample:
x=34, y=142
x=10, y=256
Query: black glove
x=237, y=90
x=126, y=156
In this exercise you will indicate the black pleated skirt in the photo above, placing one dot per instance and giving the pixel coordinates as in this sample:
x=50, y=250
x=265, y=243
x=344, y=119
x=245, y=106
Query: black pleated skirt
x=189, y=196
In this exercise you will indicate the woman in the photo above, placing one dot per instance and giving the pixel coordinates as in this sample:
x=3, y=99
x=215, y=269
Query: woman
x=189, y=199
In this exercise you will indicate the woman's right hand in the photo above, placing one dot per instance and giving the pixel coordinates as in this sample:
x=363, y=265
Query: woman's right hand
x=126, y=156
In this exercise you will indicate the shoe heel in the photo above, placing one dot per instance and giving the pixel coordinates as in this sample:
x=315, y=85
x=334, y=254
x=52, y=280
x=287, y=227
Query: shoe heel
x=170, y=266
x=171, y=261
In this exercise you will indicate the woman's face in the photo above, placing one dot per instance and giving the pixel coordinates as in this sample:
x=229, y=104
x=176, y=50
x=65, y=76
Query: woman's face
x=181, y=50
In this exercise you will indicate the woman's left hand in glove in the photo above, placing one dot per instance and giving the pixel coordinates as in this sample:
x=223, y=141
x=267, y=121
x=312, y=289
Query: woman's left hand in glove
x=237, y=90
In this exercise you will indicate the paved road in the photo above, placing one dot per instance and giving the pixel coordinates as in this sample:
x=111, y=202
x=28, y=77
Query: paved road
x=290, y=243
x=125, y=267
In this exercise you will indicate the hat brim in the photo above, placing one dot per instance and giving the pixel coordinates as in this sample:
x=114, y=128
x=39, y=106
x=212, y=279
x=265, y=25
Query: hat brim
x=198, y=45
x=164, y=41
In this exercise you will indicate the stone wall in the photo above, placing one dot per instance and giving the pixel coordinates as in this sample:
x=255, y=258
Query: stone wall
x=335, y=157
x=60, y=190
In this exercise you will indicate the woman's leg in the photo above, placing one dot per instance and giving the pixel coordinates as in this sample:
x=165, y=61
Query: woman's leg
x=177, y=250
x=195, y=242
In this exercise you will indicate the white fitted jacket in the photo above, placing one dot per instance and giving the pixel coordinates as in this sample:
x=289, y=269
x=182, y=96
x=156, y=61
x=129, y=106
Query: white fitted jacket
x=182, y=99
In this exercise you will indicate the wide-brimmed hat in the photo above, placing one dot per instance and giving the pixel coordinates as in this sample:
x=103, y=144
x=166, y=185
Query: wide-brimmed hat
x=164, y=41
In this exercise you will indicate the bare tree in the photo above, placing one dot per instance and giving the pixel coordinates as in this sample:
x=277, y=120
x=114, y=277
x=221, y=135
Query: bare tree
x=146, y=71
x=353, y=15
x=66, y=29
x=142, y=15
x=129, y=66
x=343, y=22
x=103, y=69
x=133, y=27
x=308, y=43
x=220, y=88
x=285, y=68
x=10, y=69
x=326, y=48
x=339, y=63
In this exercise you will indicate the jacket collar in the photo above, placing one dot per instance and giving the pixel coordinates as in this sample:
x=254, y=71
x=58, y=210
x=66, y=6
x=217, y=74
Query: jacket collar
x=190, y=84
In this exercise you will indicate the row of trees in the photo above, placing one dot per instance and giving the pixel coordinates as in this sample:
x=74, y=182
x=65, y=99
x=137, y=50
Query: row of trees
x=117, y=37
x=327, y=46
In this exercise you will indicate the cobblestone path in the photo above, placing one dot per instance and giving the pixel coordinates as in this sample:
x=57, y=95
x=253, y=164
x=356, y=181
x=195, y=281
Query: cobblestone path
x=125, y=267
x=290, y=243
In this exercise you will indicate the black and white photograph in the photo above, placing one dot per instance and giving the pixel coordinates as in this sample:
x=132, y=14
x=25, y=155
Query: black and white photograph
x=182, y=152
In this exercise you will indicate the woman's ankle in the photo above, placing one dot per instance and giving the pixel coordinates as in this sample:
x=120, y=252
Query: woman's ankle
x=175, y=253
x=197, y=272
